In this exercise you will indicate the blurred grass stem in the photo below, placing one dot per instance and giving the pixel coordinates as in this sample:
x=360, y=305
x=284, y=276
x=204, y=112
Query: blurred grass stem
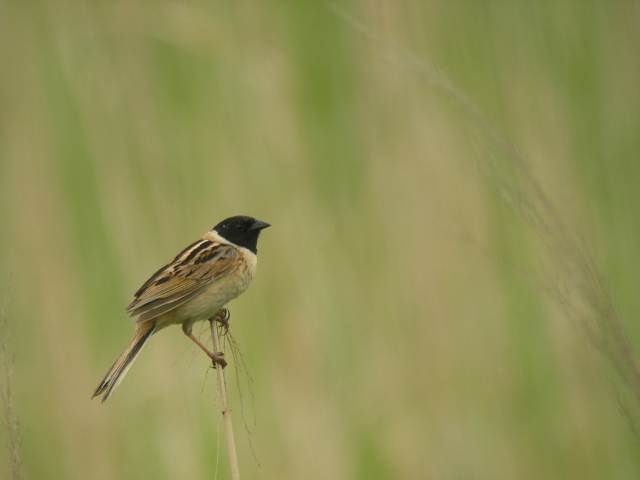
x=7, y=398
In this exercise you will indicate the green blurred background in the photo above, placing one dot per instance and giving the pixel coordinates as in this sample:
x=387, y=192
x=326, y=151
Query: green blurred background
x=398, y=327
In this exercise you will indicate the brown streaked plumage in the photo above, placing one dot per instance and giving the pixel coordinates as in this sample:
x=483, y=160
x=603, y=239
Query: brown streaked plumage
x=194, y=286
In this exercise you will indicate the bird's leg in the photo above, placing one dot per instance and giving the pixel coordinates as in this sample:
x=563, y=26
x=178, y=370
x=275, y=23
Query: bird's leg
x=217, y=357
x=222, y=317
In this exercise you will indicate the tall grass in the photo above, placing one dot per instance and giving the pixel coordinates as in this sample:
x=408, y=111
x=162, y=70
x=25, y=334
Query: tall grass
x=11, y=425
x=400, y=324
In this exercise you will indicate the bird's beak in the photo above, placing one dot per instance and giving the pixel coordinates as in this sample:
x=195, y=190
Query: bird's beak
x=259, y=225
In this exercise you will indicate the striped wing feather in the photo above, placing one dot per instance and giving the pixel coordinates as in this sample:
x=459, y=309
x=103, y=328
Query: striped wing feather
x=184, y=278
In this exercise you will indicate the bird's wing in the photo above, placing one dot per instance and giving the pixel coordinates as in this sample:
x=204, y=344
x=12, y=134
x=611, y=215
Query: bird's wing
x=193, y=269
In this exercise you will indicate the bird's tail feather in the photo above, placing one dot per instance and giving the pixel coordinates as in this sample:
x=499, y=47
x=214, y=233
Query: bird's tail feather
x=120, y=367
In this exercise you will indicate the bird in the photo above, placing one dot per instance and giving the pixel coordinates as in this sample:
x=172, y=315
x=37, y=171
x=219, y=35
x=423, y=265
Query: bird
x=195, y=285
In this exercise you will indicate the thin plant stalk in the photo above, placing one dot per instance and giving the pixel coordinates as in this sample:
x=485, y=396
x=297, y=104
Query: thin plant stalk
x=7, y=398
x=226, y=412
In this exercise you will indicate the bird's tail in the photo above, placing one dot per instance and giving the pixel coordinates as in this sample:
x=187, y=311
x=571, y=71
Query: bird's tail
x=120, y=367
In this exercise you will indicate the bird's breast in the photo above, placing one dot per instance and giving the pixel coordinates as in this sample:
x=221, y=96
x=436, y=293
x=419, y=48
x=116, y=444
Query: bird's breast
x=220, y=291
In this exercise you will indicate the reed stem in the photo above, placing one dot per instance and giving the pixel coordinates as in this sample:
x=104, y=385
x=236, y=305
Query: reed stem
x=226, y=412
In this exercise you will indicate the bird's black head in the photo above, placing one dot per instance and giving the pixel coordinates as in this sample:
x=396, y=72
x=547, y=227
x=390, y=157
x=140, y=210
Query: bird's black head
x=241, y=230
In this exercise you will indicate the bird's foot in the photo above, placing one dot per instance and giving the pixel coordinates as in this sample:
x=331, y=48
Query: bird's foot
x=222, y=317
x=218, y=359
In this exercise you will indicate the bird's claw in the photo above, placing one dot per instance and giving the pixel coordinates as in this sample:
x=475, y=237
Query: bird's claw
x=218, y=359
x=222, y=317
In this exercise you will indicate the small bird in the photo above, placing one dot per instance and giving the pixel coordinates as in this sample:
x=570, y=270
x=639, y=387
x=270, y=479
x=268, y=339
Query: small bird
x=195, y=285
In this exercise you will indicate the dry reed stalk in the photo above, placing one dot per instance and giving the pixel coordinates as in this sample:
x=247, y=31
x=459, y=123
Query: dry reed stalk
x=226, y=412
x=6, y=397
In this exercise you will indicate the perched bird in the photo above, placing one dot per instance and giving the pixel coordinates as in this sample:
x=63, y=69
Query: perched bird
x=195, y=285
